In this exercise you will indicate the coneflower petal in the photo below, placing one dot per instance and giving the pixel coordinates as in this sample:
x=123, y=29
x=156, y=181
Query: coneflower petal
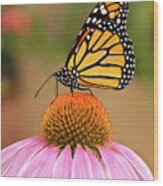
x=41, y=165
x=135, y=161
x=10, y=153
x=116, y=166
x=97, y=170
x=81, y=167
x=21, y=159
x=14, y=148
x=63, y=165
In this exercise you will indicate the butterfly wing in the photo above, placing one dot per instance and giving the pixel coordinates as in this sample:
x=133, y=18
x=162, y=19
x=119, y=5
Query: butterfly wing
x=103, y=52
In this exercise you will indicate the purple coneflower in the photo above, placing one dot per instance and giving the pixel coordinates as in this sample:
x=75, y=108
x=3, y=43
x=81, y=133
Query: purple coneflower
x=15, y=21
x=75, y=142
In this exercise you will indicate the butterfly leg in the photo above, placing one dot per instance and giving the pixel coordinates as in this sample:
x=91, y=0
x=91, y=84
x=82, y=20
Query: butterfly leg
x=56, y=94
x=71, y=90
x=86, y=89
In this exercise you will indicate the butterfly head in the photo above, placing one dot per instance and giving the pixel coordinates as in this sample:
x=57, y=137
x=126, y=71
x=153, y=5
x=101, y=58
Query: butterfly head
x=67, y=77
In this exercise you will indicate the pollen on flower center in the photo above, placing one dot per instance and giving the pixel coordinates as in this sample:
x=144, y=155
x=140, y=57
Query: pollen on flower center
x=76, y=119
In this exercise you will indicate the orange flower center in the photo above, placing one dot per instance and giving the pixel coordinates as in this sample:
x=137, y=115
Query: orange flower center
x=76, y=119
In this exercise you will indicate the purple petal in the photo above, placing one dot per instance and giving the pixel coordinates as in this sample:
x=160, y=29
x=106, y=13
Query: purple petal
x=63, y=165
x=142, y=169
x=20, y=159
x=41, y=165
x=116, y=166
x=81, y=166
x=97, y=170
x=10, y=154
x=11, y=150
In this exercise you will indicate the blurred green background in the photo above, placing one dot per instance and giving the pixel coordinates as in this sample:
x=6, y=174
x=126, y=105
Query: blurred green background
x=36, y=40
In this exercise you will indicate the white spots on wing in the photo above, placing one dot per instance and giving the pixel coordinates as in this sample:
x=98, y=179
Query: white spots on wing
x=133, y=72
x=88, y=37
x=133, y=60
x=127, y=65
x=76, y=50
x=104, y=22
x=126, y=39
x=124, y=44
x=95, y=10
x=102, y=7
x=80, y=32
x=111, y=27
x=119, y=86
x=121, y=10
x=100, y=26
x=88, y=20
x=104, y=11
x=121, y=27
x=94, y=20
x=118, y=21
x=123, y=15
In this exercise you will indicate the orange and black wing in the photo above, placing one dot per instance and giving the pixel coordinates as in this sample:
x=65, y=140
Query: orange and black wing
x=103, y=52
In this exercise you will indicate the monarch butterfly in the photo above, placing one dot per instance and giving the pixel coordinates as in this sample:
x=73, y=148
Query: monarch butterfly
x=102, y=55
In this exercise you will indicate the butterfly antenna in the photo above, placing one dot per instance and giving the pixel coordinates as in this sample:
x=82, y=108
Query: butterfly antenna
x=43, y=84
x=56, y=87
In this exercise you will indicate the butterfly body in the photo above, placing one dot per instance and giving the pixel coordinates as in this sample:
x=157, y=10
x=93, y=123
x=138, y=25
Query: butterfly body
x=102, y=55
